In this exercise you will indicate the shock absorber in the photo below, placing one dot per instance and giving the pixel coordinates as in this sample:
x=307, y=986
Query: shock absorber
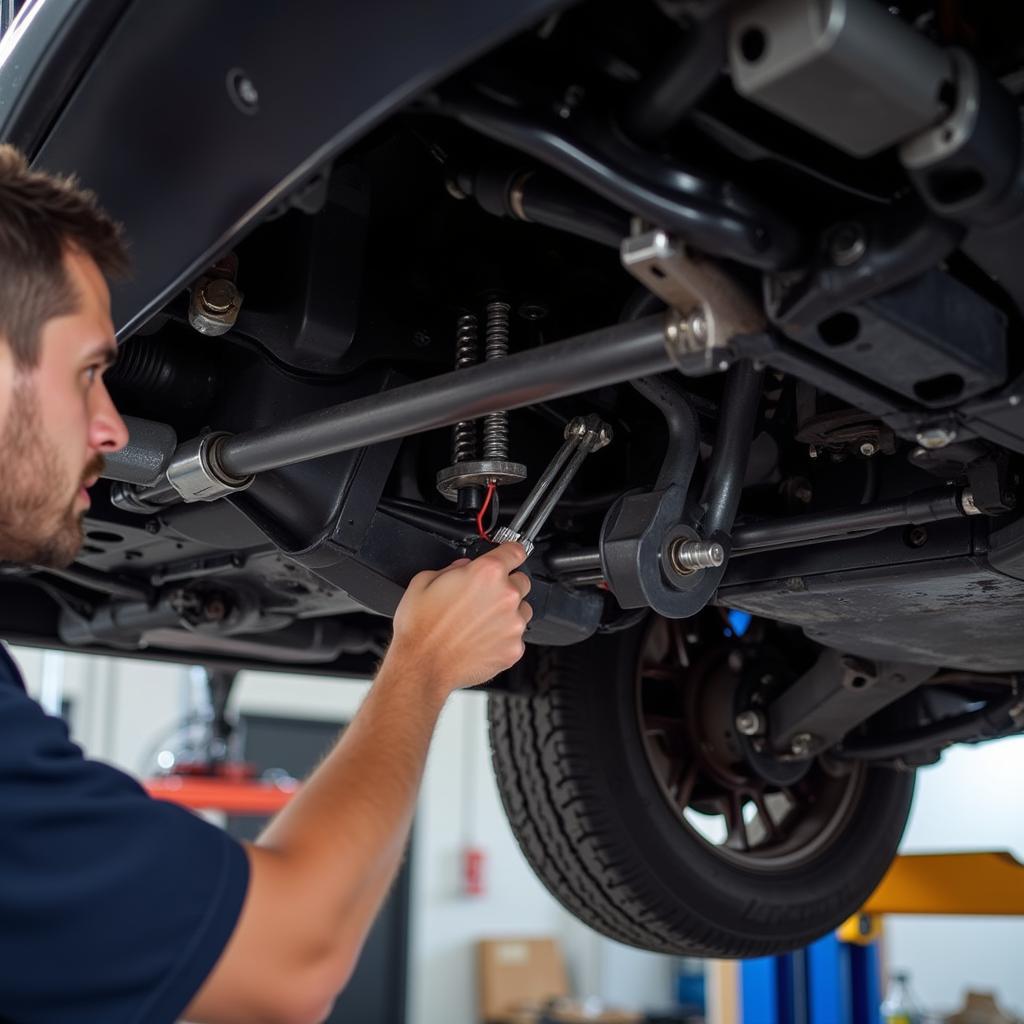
x=464, y=479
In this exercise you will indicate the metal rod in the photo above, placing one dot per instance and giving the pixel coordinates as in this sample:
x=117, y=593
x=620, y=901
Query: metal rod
x=773, y=535
x=542, y=484
x=731, y=448
x=607, y=356
x=563, y=563
x=92, y=579
x=540, y=517
x=923, y=507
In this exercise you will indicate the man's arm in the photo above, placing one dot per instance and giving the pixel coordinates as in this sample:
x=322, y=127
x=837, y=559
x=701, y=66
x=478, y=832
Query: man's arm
x=321, y=870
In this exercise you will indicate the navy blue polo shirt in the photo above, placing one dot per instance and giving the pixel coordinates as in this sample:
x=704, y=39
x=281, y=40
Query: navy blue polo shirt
x=114, y=907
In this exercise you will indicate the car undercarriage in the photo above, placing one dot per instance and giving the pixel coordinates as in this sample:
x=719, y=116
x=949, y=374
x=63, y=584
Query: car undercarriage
x=710, y=304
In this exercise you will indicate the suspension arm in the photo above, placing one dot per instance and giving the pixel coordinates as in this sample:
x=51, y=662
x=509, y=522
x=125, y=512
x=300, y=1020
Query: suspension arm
x=203, y=469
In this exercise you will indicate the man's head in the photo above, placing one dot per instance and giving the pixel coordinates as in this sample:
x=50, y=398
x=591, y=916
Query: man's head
x=56, y=339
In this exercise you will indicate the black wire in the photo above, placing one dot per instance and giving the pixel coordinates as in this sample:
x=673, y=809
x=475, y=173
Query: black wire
x=495, y=505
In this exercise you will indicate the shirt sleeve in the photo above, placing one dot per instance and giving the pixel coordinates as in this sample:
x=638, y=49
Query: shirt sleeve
x=114, y=907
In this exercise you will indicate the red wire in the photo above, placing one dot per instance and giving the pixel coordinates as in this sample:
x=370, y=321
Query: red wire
x=483, y=511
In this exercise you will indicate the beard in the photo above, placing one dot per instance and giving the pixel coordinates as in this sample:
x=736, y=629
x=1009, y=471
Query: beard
x=38, y=526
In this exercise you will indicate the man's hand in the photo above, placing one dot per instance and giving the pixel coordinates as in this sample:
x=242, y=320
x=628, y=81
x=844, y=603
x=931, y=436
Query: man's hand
x=320, y=871
x=463, y=625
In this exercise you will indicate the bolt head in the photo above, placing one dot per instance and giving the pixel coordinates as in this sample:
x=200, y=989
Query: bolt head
x=243, y=91
x=749, y=723
x=802, y=744
x=697, y=324
x=933, y=438
x=868, y=449
x=1014, y=400
x=847, y=244
x=218, y=296
x=917, y=536
x=812, y=452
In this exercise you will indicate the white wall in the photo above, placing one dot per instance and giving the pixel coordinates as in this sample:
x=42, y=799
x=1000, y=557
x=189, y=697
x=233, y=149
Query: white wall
x=972, y=800
x=121, y=708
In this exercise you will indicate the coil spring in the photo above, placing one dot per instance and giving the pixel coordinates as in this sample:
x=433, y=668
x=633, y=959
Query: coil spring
x=467, y=353
x=496, y=437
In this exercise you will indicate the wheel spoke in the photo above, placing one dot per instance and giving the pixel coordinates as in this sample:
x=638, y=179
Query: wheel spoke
x=650, y=670
x=662, y=723
x=687, y=779
x=764, y=815
x=680, y=645
x=736, y=836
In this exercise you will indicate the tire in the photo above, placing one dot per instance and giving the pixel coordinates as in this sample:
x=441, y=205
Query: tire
x=596, y=826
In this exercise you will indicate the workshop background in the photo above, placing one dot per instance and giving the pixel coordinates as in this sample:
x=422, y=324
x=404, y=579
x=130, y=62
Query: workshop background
x=129, y=711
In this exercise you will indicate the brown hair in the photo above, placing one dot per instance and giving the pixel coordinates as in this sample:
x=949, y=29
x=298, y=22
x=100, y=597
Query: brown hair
x=41, y=215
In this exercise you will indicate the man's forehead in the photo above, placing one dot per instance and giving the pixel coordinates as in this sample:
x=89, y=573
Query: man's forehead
x=87, y=279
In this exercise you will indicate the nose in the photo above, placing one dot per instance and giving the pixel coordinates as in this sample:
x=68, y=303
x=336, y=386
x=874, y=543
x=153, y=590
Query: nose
x=107, y=431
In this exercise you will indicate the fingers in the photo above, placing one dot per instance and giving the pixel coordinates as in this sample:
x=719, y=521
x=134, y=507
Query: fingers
x=525, y=611
x=521, y=583
x=510, y=555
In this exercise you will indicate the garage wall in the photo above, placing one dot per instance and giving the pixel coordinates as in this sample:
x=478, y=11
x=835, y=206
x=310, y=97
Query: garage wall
x=121, y=709
x=972, y=800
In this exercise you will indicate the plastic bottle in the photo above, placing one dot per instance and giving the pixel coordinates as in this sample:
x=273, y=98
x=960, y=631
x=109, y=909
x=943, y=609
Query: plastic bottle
x=898, y=1006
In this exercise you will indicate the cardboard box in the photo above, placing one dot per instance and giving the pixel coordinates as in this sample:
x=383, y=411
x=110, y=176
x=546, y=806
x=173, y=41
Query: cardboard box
x=519, y=976
x=524, y=981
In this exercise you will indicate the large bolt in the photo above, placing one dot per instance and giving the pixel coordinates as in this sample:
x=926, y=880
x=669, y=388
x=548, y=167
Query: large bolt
x=802, y=744
x=688, y=556
x=935, y=437
x=847, y=244
x=218, y=296
x=697, y=325
x=750, y=723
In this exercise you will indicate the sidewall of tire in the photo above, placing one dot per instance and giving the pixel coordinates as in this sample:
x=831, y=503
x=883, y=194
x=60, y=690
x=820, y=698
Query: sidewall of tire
x=699, y=901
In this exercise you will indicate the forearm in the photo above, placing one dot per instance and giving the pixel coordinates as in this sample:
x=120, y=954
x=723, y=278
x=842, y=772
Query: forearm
x=341, y=838
x=320, y=871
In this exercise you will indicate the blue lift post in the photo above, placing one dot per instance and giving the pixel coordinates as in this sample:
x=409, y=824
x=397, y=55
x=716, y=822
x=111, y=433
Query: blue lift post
x=830, y=982
x=840, y=982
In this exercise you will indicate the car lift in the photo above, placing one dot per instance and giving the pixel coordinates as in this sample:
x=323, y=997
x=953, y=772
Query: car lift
x=215, y=780
x=838, y=980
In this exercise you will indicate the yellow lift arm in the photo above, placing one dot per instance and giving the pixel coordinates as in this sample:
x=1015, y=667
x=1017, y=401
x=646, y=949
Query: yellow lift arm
x=989, y=883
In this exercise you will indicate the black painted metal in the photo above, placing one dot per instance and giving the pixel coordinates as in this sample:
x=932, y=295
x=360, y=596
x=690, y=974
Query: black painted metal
x=634, y=530
x=819, y=528
x=659, y=102
x=711, y=214
x=728, y=466
x=155, y=126
x=606, y=356
x=54, y=42
x=639, y=527
x=924, y=507
x=835, y=695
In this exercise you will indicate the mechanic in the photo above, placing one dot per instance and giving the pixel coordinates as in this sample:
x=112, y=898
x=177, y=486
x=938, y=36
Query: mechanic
x=116, y=908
